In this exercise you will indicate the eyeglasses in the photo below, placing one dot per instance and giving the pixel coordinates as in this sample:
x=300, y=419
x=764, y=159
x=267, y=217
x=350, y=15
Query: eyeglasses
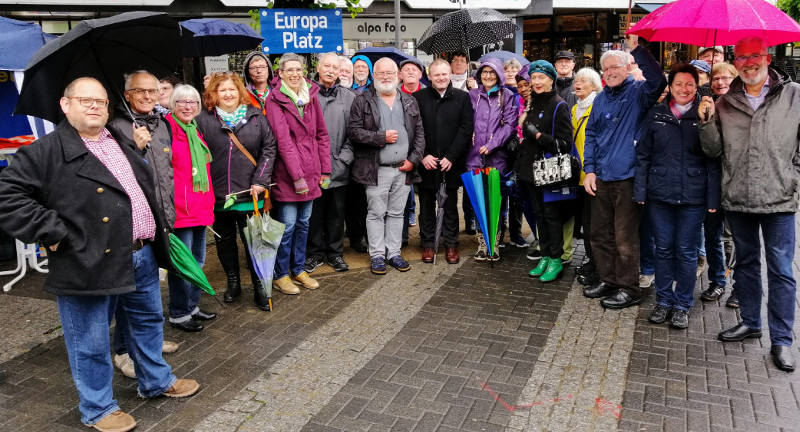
x=141, y=91
x=385, y=74
x=88, y=102
x=293, y=71
x=721, y=78
x=612, y=67
x=488, y=72
x=189, y=103
x=257, y=68
x=754, y=57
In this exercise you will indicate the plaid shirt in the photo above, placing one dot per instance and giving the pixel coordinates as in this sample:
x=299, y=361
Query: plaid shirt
x=110, y=154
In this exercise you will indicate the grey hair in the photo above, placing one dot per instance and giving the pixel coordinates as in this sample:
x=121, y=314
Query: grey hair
x=512, y=62
x=184, y=92
x=343, y=59
x=621, y=55
x=329, y=54
x=386, y=60
x=291, y=57
x=592, y=76
x=129, y=77
x=748, y=39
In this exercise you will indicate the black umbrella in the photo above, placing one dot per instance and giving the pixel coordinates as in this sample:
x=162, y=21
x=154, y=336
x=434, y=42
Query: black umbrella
x=441, y=198
x=464, y=29
x=104, y=49
x=213, y=37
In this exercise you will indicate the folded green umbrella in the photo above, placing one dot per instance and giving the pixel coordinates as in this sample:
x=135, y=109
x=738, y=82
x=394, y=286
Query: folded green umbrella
x=186, y=266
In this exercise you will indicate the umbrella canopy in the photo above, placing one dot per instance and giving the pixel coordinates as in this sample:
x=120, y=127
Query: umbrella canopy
x=263, y=236
x=503, y=55
x=483, y=189
x=717, y=22
x=20, y=41
x=464, y=29
x=185, y=265
x=104, y=49
x=213, y=37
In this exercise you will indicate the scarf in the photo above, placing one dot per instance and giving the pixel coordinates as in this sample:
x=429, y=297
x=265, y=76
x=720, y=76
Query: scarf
x=584, y=105
x=200, y=155
x=161, y=110
x=231, y=119
x=299, y=99
x=261, y=98
x=459, y=81
x=679, y=110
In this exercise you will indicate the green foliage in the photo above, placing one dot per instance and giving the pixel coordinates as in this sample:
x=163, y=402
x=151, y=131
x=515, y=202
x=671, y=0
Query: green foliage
x=791, y=7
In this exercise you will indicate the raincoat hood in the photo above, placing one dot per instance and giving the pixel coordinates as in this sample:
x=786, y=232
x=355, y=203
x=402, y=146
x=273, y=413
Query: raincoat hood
x=496, y=66
x=369, y=65
x=246, y=67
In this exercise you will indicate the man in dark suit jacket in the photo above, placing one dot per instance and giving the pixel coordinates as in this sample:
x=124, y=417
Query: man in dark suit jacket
x=90, y=199
x=447, y=117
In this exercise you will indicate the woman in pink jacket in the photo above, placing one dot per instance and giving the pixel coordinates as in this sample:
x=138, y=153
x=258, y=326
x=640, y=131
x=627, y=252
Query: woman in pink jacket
x=194, y=203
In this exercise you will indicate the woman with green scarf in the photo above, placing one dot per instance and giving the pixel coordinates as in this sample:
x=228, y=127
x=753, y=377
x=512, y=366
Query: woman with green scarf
x=194, y=203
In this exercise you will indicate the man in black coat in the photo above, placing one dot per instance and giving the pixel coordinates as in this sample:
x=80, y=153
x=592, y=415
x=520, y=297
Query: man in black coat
x=447, y=119
x=90, y=199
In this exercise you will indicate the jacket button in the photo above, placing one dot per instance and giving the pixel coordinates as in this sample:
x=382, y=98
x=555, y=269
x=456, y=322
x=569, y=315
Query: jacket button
x=105, y=219
x=100, y=190
x=108, y=250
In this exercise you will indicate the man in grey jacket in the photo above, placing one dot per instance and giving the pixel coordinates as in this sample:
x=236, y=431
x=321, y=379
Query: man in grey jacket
x=754, y=128
x=326, y=227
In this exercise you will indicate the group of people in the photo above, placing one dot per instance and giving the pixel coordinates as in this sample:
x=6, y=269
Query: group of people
x=345, y=150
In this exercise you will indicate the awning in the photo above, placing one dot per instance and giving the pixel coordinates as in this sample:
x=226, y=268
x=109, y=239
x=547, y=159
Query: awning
x=649, y=7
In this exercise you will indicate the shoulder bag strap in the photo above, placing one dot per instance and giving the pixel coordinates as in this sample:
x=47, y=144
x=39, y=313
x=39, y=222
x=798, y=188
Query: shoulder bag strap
x=578, y=129
x=553, y=128
x=240, y=146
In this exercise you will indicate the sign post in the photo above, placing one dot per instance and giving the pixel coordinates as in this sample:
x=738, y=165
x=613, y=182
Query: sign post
x=301, y=30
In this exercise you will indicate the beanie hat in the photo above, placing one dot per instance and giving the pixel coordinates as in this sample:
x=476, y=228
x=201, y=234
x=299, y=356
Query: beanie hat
x=542, y=66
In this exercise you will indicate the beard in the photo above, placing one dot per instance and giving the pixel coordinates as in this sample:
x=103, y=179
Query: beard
x=760, y=76
x=385, y=89
x=345, y=82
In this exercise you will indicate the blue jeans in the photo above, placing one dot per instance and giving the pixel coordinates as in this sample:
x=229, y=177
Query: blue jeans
x=647, y=253
x=291, y=254
x=714, y=226
x=779, y=236
x=184, y=296
x=676, y=251
x=85, y=321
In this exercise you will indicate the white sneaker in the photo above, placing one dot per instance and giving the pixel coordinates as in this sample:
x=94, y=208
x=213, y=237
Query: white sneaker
x=124, y=363
x=169, y=347
x=646, y=280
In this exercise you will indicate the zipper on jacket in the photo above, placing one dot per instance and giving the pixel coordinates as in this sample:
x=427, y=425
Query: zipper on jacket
x=230, y=155
x=186, y=200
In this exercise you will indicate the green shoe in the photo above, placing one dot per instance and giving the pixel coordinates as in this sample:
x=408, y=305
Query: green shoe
x=540, y=269
x=554, y=270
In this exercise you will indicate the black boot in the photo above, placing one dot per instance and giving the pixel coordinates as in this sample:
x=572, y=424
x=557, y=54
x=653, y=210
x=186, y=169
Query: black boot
x=260, y=293
x=229, y=258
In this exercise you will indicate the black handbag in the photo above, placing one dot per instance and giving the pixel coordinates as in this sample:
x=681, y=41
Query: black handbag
x=558, y=169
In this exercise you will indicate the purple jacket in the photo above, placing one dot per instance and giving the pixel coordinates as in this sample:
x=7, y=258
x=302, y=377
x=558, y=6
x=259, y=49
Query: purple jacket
x=488, y=131
x=304, y=149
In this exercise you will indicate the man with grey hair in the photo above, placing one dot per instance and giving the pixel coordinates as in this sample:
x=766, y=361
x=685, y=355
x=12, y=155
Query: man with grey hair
x=609, y=159
x=326, y=226
x=388, y=139
x=754, y=128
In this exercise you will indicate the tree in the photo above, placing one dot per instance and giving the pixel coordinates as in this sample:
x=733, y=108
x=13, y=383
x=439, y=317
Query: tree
x=791, y=7
x=353, y=7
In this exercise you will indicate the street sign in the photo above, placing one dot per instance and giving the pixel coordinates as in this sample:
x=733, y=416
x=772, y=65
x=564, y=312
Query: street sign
x=301, y=30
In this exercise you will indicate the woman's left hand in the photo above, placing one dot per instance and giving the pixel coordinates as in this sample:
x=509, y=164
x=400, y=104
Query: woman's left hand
x=257, y=189
x=712, y=210
x=483, y=150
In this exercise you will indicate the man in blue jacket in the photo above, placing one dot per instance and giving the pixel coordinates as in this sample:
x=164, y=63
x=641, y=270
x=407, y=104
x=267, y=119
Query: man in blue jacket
x=609, y=159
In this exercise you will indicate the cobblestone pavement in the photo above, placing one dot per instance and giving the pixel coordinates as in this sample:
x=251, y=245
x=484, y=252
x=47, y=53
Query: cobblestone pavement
x=460, y=347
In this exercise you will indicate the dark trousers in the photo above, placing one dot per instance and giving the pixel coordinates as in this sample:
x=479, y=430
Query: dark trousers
x=550, y=222
x=427, y=218
x=714, y=226
x=356, y=211
x=326, y=227
x=226, y=224
x=647, y=243
x=584, y=203
x=615, y=234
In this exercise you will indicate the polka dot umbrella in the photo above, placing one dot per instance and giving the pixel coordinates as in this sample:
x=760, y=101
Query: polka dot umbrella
x=464, y=29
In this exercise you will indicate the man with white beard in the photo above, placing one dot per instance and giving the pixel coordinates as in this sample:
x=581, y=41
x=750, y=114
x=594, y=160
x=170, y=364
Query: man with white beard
x=753, y=127
x=388, y=140
x=345, y=72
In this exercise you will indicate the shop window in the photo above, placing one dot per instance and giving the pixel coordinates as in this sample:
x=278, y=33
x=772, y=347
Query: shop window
x=573, y=23
x=536, y=25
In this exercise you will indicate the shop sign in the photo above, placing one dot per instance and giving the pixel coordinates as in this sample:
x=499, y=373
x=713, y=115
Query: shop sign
x=301, y=30
x=465, y=4
x=623, y=20
x=383, y=28
x=217, y=64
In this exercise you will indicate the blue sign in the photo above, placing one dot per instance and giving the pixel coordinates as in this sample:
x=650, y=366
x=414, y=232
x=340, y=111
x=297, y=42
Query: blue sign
x=301, y=30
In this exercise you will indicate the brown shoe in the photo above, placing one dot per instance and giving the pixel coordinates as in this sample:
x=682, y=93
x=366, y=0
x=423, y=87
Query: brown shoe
x=427, y=255
x=305, y=280
x=285, y=286
x=117, y=421
x=182, y=388
x=452, y=255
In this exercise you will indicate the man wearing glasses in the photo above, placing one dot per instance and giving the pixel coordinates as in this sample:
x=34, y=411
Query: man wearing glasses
x=257, y=75
x=137, y=120
x=754, y=128
x=609, y=159
x=106, y=238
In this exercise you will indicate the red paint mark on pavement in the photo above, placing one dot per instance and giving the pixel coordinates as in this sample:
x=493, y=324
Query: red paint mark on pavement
x=603, y=406
x=512, y=408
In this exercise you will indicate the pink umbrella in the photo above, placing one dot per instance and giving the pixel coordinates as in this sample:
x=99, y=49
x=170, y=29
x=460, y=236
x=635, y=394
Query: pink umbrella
x=717, y=22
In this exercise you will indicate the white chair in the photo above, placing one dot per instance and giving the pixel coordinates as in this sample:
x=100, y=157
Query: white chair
x=26, y=256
